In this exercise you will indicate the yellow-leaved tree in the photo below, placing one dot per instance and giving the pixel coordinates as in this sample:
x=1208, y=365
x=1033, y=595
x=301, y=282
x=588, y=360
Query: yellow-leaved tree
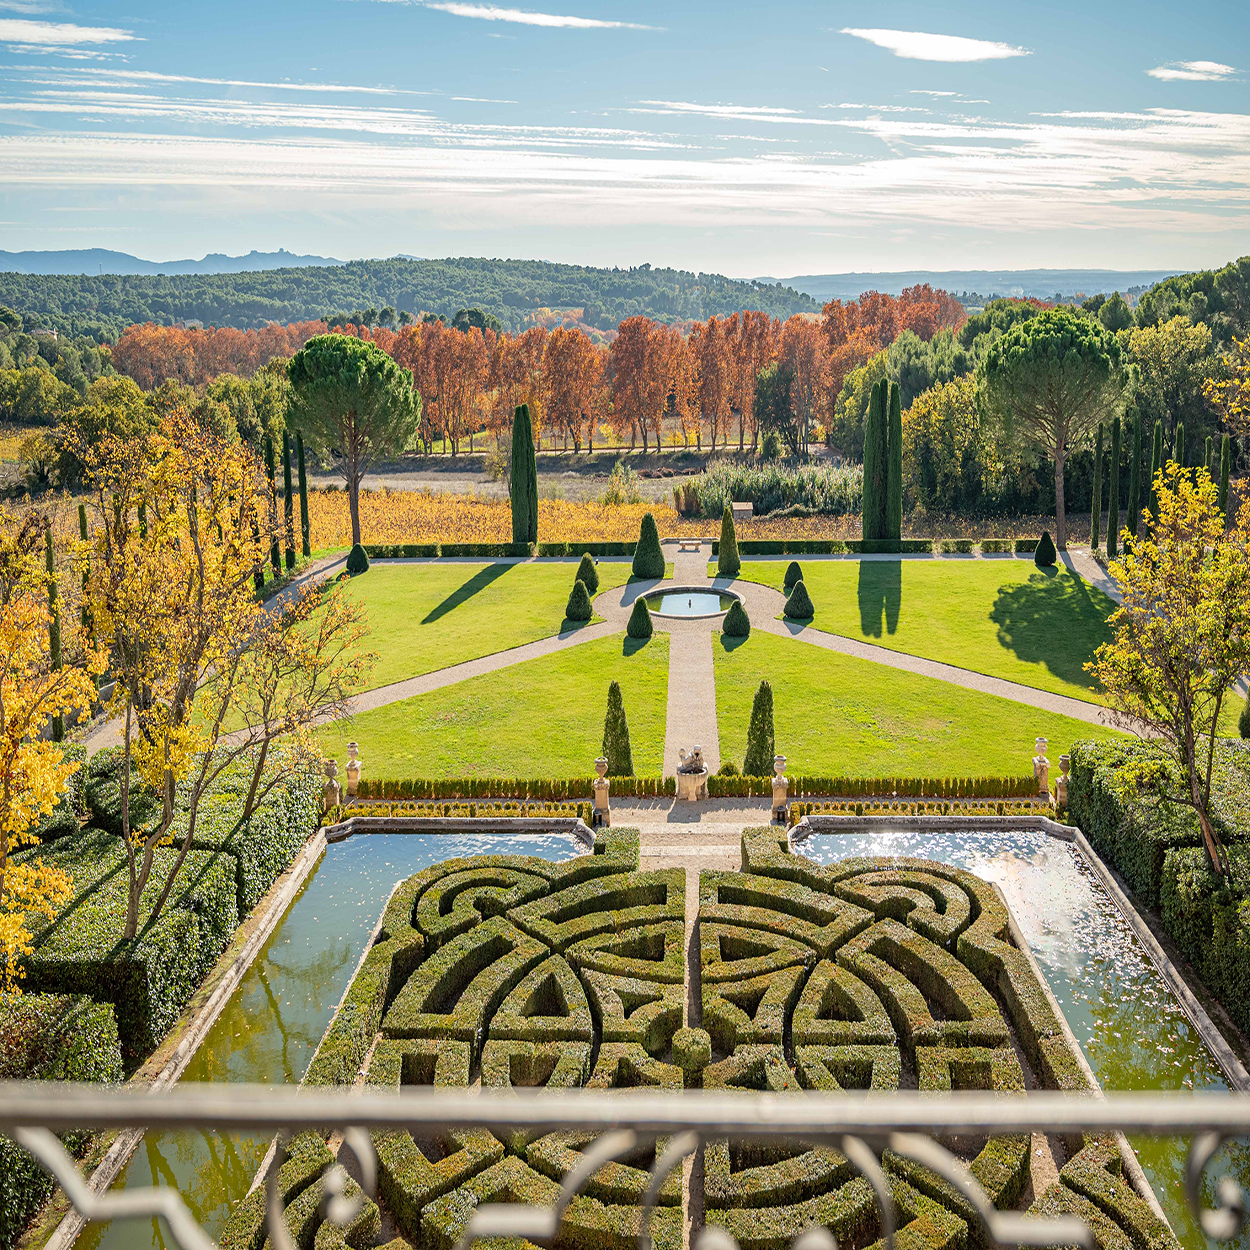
x=1229, y=392
x=1181, y=638
x=34, y=773
x=205, y=674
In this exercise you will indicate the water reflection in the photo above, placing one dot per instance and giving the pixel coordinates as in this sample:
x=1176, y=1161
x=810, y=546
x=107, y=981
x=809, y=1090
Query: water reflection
x=1124, y=1017
x=274, y=1020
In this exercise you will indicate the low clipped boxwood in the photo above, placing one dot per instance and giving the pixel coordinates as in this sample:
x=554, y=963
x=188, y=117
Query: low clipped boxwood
x=357, y=560
x=640, y=624
x=586, y=572
x=578, y=607
x=736, y=624
x=799, y=604
x=1044, y=555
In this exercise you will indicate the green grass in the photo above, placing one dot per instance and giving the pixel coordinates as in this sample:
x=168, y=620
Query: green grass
x=1005, y=618
x=836, y=715
x=428, y=616
x=543, y=718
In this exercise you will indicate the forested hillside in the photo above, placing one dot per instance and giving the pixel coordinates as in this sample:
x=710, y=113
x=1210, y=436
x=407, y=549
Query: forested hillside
x=509, y=289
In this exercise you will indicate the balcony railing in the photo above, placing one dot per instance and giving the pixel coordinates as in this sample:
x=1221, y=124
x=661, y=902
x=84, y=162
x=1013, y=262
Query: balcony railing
x=860, y=1125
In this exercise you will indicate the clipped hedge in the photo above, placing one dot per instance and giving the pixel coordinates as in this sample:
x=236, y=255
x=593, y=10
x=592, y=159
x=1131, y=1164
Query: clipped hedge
x=876, y=787
x=48, y=1037
x=434, y=551
x=577, y=549
x=544, y=789
x=462, y=811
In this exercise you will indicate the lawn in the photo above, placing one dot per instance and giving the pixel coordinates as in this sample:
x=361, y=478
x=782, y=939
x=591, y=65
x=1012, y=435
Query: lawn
x=428, y=616
x=542, y=718
x=836, y=715
x=1006, y=618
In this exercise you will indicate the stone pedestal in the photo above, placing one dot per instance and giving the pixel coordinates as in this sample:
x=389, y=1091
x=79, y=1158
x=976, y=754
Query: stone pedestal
x=781, y=790
x=1041, y=768
x=1061, y=786
x=354, y=765
x=331, y=792
x=603, y=813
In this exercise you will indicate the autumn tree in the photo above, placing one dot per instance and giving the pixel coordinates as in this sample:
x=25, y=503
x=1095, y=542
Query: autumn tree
x=638, y=389
x=356, y=403
x=714, y=368
x=1230, y=394
x=803, y=350
x=34, y=774
x=1181, y=639
x=1049, y=381
x=571, y=377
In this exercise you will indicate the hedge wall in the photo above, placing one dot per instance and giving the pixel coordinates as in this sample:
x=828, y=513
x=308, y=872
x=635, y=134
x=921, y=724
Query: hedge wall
x=876, y=787
x=543, y=789
x=855, y=546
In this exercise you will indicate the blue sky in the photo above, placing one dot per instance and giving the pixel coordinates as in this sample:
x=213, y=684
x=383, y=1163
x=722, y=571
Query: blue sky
x=781, y=139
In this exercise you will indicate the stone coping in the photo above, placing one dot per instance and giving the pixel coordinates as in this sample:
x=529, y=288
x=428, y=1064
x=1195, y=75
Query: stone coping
x=461, y=824
x=706, y=589
x=920, y=824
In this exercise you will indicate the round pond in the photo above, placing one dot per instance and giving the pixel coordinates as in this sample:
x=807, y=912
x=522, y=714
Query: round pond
x=686, y=601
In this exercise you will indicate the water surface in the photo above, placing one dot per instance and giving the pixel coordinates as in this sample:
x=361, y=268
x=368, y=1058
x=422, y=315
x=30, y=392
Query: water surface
x=689, y=603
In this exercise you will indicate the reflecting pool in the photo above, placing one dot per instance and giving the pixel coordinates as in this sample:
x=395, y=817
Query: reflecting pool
x=689, y=603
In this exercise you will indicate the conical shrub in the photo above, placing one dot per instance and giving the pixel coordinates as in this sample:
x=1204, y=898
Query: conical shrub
x=727, y=562
x=799, y=604
x=357, y=561
x=1044, y=555
x=640, y=625
x=793, y=574
x=586, y=572
x=760, y=747
x=648, y=558
x=737, y=623
x=578, y=608
x=616, y=735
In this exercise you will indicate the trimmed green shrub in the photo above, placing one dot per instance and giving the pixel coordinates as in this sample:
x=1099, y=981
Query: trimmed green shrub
x=799, y=604
x=587, y=573
x=876, y=454
x=793, y=574
x=648, y=557
x=616, y=735
x=523, y=486
x=639, y=624
x=955, y=546
x=894, y=467
x=692, y=1052
x=357, y=560
x=727, y=562
x=728, y=769
x=1045, y=555
x=578, y=607
x=737, y=624
x=758, y=761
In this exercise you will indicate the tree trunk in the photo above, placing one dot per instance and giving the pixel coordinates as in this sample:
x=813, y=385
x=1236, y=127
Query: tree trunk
x=353, y=503
x=1061, y=522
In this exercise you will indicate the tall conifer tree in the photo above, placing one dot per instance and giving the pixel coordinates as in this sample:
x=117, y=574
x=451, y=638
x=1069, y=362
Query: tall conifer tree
x=1095, y=509
x=288, y=502
x=305, y=537
x=1133, y=519
x=1156, y=464
x=894, y=474
x=1113, y=493
x=524, y=479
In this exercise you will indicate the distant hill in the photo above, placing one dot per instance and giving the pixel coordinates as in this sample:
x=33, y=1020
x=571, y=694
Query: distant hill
x=1039, y=283
x=98, y=260
x=510, y=289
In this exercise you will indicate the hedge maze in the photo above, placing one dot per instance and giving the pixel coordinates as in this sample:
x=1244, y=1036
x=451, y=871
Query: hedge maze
x=872, y=974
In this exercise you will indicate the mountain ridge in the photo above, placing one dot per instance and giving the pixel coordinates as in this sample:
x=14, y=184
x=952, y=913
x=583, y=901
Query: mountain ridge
x=91, y=262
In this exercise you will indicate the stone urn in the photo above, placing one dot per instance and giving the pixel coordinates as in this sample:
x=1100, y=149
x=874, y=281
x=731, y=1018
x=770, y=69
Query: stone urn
x=331, y=792
x=692, y=776
x=1041, y=767
x=603, y=813
x=781, y=788
x=1061, y=785
x=353, y=769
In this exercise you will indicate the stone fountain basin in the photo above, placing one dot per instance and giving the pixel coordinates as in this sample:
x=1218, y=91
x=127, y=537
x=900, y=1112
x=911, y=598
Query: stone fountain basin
x=709, y=602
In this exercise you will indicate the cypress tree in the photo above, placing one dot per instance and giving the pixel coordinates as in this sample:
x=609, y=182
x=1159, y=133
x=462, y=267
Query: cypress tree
x=1178, y=451
x=86, y=571
x=616, y=736
x=1095, y=510
x=524, y=483
x=648, y=557
x=258, y=572
x=579, y=607
x=1226, y=465
x=1133, y=519
x=54, y=624
x=1113, y=493
x=1156, y=466
x=305, y=545
x=288, y=501
x=727, y=561
x=875, y=467
x=794, y=573
x=737, y=623
x=640, y=625
x=760, y=743
x=275, y=557
x=894, y=471
x=586, y=572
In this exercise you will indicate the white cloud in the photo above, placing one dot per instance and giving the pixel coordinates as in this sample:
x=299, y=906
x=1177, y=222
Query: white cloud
x=524, y=17
x=143, y=75
x=477, y=99
x=916, y=45
x=1192, y=71
x=58, y=34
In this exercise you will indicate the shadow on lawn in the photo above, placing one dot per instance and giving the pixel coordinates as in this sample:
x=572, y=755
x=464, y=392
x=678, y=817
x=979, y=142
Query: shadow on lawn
x=479, y=581
x=880, y=595
x=1052, y=619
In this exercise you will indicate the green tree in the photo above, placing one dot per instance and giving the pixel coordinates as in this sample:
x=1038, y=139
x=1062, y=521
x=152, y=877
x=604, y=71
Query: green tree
x=1133, y=519
x=894, y=468
x=761, y=749
x=1095, y=518
x=1113, y=493
x=1156, y=465
x=1115, y=314
x=727, y=562
x=1175, y=361
x=648, y=555
x=305, y=536
x=579, y=607
x=274, y=557
x=846, y=428
x=616, y=735
x=774, y=408
x=1178, y=448
x=523, y=486
x=356, y=403
x=876, y=451
x=1050, y=380
x=54, y=625
x=288, y=501
x=799, y=604
x=794, y=573
x=639, y=625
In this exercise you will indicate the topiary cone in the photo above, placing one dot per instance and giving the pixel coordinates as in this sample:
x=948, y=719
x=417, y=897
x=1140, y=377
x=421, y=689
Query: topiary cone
x=799, y=604
x=586, y=572
x=616, y=735
x=760, y=744
x=640, y=625
x=578, y=608
x=727, y=561
x=357, y=560
x=793, y=574
x=648, y=558
x=737, y=623
x=1044, y=555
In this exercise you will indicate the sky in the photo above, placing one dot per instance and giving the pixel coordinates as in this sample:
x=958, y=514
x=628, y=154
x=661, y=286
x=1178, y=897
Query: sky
x=781, y=139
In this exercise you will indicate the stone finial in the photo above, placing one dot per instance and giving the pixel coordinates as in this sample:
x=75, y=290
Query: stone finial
x=1041, y=767
x=331, y=792
x=354, y=765
x=1061, y=785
